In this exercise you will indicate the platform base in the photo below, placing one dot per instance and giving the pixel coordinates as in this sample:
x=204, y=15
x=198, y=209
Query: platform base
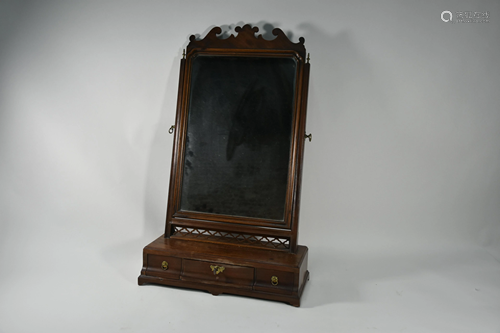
x=226, y=268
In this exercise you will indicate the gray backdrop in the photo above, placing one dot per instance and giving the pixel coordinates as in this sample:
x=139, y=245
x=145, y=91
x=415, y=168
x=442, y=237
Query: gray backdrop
x=401, y=187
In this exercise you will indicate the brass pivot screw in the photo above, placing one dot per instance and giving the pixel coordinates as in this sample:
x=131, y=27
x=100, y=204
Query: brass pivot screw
x=274, y=280
x=164, y=265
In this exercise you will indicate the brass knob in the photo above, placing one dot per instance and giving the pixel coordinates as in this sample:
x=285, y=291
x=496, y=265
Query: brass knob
x=308, y=136
x=164, y=265
x=274, y=280
x=171, y=129
x=217, y=269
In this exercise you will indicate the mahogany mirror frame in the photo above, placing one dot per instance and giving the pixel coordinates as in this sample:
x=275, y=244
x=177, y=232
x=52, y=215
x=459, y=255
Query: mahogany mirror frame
x=179, y=223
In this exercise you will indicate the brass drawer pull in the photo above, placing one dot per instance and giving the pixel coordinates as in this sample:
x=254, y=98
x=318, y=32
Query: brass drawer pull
x=217, y=269
x=164, y=265
x=274, y=280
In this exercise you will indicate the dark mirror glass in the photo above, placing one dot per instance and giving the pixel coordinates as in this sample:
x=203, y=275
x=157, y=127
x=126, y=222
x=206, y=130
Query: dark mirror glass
x=239, y=136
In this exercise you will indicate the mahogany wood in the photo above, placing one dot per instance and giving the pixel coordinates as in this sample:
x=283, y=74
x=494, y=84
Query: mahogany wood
x=261, y=256
x=248, y=272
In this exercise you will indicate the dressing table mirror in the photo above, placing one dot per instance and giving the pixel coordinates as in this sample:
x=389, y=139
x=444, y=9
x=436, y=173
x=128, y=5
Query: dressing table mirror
x=234, y=195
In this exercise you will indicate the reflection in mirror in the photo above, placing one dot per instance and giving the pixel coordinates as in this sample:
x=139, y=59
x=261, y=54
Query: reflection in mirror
x=239, y=136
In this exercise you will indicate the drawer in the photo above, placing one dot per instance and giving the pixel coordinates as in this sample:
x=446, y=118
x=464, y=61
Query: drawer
x=164, y=266
x=196, y=270
x=274, y=281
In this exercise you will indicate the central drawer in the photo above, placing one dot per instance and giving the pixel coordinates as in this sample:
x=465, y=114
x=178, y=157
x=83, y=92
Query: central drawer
x=196, y=270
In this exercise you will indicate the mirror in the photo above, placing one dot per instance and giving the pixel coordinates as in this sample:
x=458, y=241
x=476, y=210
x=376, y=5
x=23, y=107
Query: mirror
x=239, y=132
x=234, y=195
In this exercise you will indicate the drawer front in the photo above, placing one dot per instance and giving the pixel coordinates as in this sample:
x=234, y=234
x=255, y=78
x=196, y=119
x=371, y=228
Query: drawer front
x=164, y=266
x=216, y=272
x=274, y=281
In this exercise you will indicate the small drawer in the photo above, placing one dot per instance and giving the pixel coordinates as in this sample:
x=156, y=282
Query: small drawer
x=196, y=270
x=162, y=266
x=274, y=281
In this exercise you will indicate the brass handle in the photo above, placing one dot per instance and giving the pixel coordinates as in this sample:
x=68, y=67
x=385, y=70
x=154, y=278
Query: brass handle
x=217, y=269
x=308, y=136
x=164, y=265
x=274, y=280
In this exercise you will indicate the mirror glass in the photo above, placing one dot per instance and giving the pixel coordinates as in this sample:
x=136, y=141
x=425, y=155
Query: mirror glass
x=239, y=135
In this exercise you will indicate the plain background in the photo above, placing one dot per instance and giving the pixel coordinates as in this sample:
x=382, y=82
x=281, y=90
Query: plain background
x=401, y=186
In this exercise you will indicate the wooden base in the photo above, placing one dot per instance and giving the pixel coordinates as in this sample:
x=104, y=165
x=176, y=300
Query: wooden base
x=226, y=268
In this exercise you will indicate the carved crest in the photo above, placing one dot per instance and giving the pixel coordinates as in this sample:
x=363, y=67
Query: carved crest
x=246, y=38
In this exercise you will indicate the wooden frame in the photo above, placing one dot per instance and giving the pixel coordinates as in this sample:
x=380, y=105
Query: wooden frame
x=255, y=241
